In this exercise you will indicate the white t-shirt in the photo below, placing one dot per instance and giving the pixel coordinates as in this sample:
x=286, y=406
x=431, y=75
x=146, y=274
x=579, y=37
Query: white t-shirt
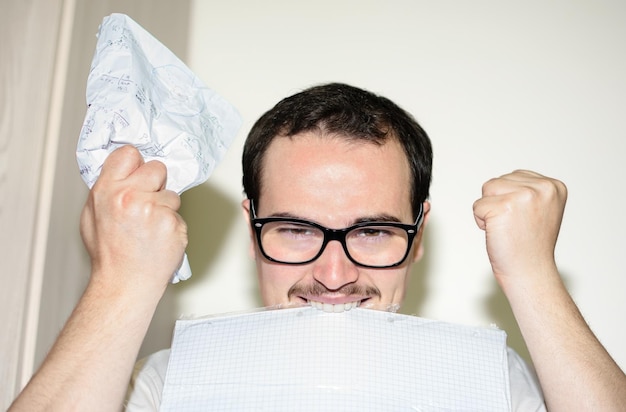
x=146, y=386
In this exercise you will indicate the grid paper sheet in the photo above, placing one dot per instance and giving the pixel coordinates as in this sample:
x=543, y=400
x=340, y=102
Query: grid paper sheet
x=303, y=359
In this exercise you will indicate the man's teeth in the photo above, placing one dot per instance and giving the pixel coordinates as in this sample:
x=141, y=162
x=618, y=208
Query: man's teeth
x=336, y=308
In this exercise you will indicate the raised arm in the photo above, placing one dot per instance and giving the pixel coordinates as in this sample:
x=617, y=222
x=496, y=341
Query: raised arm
x=521, y=214
x=136, y=241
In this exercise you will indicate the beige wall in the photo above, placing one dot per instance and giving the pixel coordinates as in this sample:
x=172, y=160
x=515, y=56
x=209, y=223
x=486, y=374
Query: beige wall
x=47, y=47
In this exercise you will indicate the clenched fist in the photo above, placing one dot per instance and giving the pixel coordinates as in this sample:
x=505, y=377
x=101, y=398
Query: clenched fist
x=130, y=225
x=521, y=215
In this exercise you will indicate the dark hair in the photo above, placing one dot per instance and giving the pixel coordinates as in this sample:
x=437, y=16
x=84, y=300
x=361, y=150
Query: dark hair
x=342, y=110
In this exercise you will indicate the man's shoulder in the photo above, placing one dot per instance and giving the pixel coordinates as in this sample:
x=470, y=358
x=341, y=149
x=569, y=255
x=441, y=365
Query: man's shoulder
x=146, y=384
x=526, y=394
x=154, y=363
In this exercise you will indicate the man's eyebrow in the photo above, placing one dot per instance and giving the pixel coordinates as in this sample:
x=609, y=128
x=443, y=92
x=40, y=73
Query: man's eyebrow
x=382, y=217
x=286, y=215
x=377, y=218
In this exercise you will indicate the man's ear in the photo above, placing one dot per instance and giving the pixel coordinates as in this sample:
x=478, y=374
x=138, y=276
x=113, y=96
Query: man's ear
x=418, y=246
x=245, y=208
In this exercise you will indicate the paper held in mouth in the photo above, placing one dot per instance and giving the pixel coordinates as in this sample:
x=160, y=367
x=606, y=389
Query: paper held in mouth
x=304, y=359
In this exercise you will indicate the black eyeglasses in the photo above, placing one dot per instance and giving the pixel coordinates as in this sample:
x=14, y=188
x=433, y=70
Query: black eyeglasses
x=368, y=244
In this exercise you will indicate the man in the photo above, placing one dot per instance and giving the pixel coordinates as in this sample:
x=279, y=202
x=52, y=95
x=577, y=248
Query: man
x=318, y=168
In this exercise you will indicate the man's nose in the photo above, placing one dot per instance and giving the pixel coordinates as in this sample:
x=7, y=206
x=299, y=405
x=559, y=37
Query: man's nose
x=333, y=268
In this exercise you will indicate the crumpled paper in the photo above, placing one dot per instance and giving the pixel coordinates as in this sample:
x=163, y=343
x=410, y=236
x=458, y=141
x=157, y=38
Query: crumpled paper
x=140, y=93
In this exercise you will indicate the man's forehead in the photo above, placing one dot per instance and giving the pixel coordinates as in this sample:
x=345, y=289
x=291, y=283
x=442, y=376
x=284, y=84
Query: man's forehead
x=316, y=140
x=293, y=151
x=335, y=175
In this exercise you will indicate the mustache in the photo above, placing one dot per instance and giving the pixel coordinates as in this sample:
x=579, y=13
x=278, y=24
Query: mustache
x=318, y=289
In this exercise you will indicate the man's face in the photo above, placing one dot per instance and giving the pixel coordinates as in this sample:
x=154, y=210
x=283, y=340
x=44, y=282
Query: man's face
x=335, y=183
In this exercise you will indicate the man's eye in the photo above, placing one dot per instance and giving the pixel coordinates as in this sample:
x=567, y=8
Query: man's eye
x=372, y=232
x=295, y=231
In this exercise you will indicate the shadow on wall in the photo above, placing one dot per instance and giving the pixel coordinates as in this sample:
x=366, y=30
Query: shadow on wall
x=255, y=291
x=209, y=215
x=495, y=303
x=417, y=292
x=498, y=309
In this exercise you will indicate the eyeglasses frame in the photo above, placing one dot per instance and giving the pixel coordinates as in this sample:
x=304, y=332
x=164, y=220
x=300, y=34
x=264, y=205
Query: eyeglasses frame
x=339, y=235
